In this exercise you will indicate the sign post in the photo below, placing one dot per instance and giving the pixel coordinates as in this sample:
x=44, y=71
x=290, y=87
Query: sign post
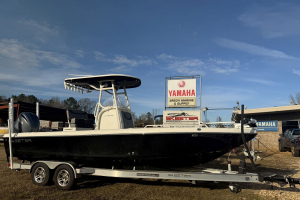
x=11, y=128
x=37, y=110
x=181, y=92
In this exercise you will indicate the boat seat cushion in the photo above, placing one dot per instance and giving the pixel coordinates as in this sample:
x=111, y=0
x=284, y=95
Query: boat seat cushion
x=127, y=119
x=77, y=121
x=89, y=122
x=76, y=114
x=82, y=123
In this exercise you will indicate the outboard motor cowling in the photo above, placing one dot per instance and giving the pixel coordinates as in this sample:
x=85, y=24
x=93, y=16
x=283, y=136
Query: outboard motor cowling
x=27, y=122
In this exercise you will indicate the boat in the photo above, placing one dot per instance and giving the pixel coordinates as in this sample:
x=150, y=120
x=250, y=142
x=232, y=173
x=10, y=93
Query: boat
x=113, y=140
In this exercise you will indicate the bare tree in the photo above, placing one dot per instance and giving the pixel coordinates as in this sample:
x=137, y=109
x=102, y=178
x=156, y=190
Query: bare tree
x=53, y=102
x=56, y=102
x=219, y=119
x=295, y=100
x=43, y=102
x=3, y=98
x=86, y=105
x=155, y=112
x=134, y=118
x=141, y=119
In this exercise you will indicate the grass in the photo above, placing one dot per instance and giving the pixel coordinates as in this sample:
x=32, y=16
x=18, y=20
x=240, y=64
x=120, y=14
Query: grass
x=18, y=185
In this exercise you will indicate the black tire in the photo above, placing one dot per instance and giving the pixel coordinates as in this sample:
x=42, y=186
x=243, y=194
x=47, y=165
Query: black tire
x=64, y=177
x=235, y=189
x=281, y=148
x=294, y=151
x=40, y=174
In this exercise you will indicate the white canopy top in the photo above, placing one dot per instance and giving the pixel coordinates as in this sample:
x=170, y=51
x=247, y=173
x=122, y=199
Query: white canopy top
x=92, y=82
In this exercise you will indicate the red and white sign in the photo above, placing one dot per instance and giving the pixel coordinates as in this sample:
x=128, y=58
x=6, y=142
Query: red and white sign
x=182, y=88
x=170, y=119
x=181, y=118
x=182, y=93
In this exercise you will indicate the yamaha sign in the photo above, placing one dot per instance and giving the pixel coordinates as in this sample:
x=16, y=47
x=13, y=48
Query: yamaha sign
x=267, y=126
x=182, y=93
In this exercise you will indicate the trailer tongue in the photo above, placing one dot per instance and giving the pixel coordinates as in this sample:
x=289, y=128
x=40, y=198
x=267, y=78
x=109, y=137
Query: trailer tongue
x=282, y=179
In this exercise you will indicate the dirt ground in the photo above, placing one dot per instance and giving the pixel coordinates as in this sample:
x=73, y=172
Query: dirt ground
x=18, y=185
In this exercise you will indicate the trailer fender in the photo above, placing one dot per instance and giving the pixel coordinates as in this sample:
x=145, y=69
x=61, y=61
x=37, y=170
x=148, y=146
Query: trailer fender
x=54, y=164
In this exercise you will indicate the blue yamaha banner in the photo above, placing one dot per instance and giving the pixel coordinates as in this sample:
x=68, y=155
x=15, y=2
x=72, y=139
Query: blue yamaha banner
x=267, y=126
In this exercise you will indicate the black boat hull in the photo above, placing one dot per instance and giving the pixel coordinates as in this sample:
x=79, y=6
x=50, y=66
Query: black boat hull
x=178, y=149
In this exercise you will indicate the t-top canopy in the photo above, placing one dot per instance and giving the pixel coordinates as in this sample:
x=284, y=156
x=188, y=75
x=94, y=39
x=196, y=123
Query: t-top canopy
x=120, y=80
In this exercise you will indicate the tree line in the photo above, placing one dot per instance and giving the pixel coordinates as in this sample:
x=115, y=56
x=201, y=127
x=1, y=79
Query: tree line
x=70, y=103
x=147, y=119
x=83, y=104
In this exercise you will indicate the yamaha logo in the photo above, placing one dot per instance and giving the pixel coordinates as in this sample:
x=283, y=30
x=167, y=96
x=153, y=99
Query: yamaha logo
x=181, y=84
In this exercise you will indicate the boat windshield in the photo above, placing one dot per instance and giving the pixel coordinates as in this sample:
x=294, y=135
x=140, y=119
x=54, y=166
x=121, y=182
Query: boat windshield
x=121, y=101
x=108, y=100
x=296, y=132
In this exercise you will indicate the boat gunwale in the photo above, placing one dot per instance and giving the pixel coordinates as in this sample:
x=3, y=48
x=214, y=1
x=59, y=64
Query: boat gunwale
x=133, y=131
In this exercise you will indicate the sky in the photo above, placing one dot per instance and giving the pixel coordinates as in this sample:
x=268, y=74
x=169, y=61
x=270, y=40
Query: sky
x=246, y=51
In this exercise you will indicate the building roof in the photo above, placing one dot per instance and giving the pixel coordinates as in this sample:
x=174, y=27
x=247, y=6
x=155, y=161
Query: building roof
x=270, y=110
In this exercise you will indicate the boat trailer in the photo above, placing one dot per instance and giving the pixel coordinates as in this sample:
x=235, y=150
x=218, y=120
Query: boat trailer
x=65, y=174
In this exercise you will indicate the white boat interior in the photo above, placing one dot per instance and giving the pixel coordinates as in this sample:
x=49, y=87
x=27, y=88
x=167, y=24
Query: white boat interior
x=112, y=115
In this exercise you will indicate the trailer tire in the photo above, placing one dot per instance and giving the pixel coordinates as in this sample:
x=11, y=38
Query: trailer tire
x=281, y=148
x=40, y=174
x=235, y=189
x=294, y=151
x=64, y=177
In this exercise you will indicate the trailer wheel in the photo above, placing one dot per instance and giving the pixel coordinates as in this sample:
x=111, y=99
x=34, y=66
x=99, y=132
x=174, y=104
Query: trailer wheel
x=235, y=189
x=281, y=148
x=64, y=177
x=40, y=174
x=295, y=152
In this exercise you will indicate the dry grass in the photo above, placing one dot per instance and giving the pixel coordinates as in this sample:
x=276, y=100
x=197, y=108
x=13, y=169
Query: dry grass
x=17, y=185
